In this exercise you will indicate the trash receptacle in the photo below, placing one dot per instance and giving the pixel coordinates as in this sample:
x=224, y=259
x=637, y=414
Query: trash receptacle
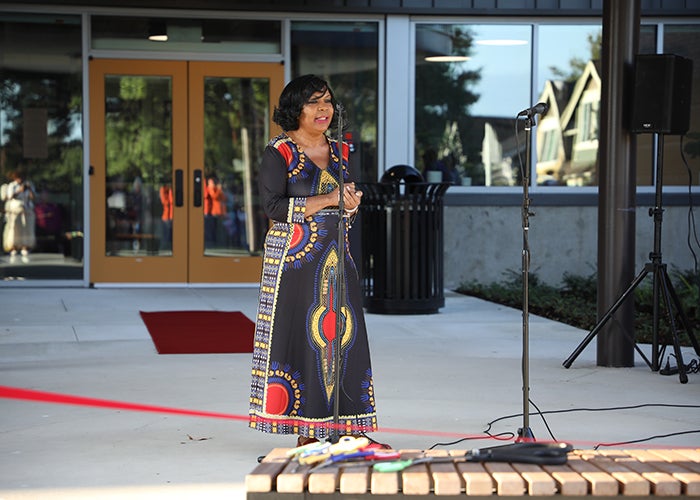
x=402, y=243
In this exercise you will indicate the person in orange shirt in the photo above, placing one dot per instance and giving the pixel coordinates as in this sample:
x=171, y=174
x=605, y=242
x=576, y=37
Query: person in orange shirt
x=166, y=199
x=214, y=209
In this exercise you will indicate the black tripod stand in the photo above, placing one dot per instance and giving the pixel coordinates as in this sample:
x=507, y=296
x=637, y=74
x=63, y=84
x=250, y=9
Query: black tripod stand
x=661, y=286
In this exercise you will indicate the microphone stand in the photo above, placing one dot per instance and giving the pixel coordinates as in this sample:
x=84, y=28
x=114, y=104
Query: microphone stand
x=339, y=283
x=525, y=433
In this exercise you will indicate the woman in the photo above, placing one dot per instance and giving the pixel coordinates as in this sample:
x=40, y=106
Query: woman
x=20, y=220
x=293, y=388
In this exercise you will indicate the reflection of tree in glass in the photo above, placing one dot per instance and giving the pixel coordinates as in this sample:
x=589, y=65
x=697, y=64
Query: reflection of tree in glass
x=443, y=94
x=60, y=170
x=235, y=134
x=57, y=172
x=357, y=92
x=138, y=125
x=577, y=64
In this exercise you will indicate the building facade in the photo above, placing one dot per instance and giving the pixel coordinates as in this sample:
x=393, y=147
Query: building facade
x=139, y=126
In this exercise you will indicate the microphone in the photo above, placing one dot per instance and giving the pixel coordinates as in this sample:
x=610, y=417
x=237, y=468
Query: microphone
x=539, y=108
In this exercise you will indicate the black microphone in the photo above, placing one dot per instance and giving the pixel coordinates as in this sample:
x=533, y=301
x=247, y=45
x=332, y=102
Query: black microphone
x=539, y=108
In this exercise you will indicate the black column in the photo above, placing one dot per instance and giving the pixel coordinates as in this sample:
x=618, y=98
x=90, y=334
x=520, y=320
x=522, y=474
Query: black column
x=617, y=182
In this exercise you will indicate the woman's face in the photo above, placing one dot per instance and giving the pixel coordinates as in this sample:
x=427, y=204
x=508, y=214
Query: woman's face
x=317, y=113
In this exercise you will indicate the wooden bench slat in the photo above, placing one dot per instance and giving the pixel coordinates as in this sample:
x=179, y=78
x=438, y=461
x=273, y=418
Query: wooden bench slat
x=682, y=468
x=569, y=483
x=631, y=482
x=539, y=483
x=508, y=481
x=324, y=481
x=677, y=461
x=262, y=478
x=599, y=483
x=689, y=453
x=416, y=479
x=384, y=483
x=655, y=469
x=632, y=473
x=446, y=479
x=355, y=480
x=293, y=478
x=476, y=478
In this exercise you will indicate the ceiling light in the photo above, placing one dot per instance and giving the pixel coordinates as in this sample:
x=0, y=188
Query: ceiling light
x=157, y=31
x=446, y=58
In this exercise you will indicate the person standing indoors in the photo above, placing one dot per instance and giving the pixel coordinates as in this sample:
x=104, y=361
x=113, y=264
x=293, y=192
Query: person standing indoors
x=20, y=219
x=214, y=209
x=293, y=376
x=166, y=200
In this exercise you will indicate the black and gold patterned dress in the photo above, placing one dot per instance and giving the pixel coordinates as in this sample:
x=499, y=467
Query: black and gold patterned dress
x=293, y=377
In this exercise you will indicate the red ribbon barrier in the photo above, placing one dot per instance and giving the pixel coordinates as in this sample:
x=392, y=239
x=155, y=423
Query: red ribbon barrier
x=57, y=398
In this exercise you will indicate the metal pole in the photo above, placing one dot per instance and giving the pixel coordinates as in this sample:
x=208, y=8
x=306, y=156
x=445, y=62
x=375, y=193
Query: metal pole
x=525, y=433
x=340, y=284
x=617, y=182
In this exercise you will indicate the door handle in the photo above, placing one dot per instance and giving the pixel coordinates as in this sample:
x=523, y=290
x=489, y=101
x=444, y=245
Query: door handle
x=197, y=188
x=179, y=198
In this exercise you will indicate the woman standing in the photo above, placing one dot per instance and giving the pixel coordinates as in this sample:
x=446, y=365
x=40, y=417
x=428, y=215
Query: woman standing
x=20, y=219
x=293, y=388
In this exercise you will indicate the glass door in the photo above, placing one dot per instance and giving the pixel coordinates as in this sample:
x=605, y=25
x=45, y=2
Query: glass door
x=230, y=124
x=174, y=152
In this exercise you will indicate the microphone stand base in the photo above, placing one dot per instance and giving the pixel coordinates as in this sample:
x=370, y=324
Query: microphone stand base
x=525, y=435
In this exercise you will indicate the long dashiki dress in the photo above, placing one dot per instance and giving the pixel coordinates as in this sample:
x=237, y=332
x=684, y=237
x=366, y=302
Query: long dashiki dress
x=293, y=373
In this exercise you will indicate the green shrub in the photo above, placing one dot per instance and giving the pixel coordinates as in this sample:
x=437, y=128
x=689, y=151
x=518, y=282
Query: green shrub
x=575, y=301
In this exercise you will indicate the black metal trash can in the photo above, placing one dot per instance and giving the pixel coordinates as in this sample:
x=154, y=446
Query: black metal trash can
x=402, y=243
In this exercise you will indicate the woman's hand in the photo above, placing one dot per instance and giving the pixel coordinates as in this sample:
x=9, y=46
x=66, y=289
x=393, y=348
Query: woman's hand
x=351, y=197
x=351, y=200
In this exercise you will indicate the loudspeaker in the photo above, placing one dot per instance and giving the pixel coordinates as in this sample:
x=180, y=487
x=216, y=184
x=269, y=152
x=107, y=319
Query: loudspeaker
x=662, y=85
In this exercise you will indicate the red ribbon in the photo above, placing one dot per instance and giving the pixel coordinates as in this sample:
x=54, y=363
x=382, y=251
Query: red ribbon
x=57, y=398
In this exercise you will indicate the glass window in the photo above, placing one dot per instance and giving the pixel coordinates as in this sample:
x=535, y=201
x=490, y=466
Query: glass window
x=231, y=36
x=236, y=129
x=471, y=81
x=346, y=56
x=41, y=140
x=568, y=79
x=138, y=188
x=684, y=40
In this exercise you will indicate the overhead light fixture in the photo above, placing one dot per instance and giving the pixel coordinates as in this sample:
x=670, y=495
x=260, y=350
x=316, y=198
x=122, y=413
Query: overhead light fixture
x=436, y=45
x=446, y=58
x=158, y=31
x=501, y=42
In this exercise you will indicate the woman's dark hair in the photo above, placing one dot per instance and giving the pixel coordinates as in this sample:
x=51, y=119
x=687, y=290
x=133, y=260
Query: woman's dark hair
x=293, y=98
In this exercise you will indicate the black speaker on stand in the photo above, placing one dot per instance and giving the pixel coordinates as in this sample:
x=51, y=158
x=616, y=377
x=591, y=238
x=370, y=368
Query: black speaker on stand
x=662, y=86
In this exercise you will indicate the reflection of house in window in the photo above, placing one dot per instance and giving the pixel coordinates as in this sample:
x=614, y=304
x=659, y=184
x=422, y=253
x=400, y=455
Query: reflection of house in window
x=567, y=136
x=499, y=151
x=551, y=151
x=579, y=123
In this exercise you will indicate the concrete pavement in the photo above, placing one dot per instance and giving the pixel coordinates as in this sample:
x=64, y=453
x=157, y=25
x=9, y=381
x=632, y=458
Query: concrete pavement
x=437, y=377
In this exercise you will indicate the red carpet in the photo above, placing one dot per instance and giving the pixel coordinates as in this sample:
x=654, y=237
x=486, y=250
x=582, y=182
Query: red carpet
x=200, y=332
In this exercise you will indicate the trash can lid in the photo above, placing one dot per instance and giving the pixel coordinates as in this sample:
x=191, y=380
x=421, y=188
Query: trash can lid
x=399, y=173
